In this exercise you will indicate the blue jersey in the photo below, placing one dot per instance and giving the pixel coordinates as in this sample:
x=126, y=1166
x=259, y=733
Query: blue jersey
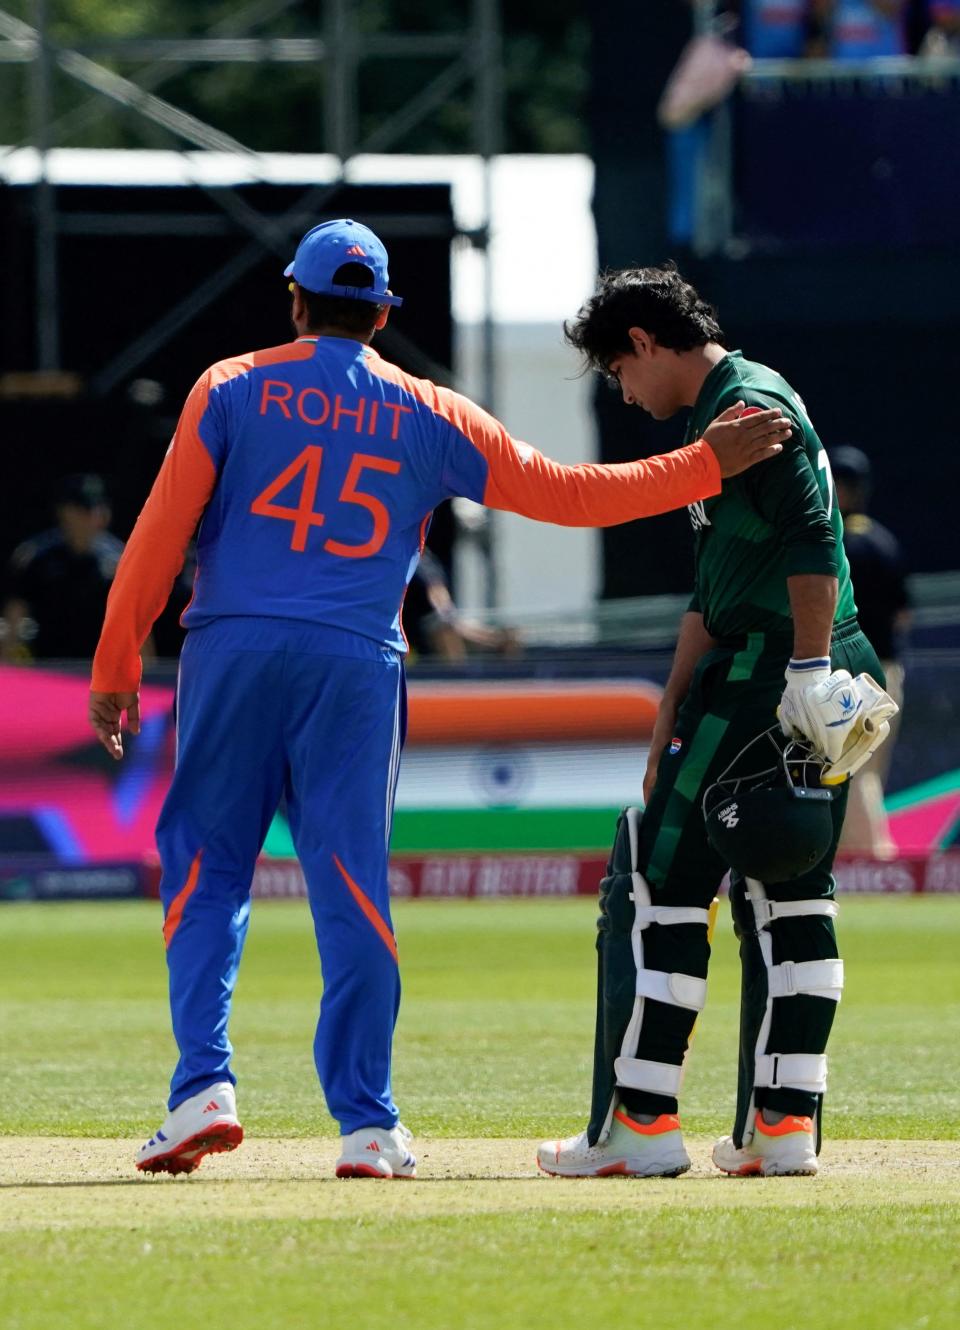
x=861, y=32
x=328, y=473
x=313, y=469
x=775, y=29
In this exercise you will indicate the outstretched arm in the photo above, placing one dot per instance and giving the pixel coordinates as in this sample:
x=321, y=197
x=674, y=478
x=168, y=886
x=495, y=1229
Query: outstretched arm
x=485, y=463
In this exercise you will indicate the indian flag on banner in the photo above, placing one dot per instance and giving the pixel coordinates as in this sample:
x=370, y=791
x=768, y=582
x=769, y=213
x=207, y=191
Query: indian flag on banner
x=516, y=767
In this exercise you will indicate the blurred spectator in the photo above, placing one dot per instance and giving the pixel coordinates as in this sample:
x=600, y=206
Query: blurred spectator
x=775, y=29
x=435, y=627
x=862, y=29
x=57, y=582
x=704, y=76
x=943, y=34
x=879, y=588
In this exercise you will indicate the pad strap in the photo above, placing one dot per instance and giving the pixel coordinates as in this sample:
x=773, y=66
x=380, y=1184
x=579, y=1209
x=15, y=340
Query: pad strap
x=676, y=990
x=792, y=1071
x=668, y=915
x=812, y=978
x=655, y=1077
x=766, y=910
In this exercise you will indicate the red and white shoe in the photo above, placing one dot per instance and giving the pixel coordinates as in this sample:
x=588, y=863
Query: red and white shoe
x=373, y=1152
x=783, y=1149
x=632, y=1149
x=205, y=1124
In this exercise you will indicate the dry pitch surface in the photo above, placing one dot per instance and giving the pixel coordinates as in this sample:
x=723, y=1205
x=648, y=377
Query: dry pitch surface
x=58, y=1183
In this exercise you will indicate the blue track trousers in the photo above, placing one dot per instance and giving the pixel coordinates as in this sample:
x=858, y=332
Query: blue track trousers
x=270, y=708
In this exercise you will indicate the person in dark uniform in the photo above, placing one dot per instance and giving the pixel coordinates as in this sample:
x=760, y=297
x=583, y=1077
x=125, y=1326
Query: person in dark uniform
x=57, y=582
x=883, y=607
x=435, y=627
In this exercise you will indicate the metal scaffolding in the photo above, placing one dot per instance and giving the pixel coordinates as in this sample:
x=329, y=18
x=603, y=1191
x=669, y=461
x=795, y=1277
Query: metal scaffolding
x=471, y=67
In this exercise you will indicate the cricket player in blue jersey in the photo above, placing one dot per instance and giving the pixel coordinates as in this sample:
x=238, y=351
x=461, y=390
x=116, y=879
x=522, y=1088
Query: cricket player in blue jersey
x=775, y=29
x=313, y=469
x=863, y=29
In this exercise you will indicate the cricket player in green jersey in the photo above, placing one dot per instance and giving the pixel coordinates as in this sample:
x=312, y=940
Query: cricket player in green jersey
x=772, y=601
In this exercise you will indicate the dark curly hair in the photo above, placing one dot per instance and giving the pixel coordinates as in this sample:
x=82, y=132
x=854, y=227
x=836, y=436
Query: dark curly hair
x=655, y=299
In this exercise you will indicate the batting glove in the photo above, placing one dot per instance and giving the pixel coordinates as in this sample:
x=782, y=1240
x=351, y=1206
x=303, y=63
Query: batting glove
x=818, y=705
x=869, y=730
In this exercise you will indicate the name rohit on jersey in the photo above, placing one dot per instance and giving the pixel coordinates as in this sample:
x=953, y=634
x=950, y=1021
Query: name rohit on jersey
x=313, y=406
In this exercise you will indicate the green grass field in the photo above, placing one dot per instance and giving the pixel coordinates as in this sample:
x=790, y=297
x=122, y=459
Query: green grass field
x=493, y=1053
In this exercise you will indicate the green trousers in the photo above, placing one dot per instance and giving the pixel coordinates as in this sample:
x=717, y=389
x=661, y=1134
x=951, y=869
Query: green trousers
x=732, y=699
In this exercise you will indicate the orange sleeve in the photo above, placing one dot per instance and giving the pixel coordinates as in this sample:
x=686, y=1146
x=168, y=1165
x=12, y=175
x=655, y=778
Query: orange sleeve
x=522, y=480
x=155, y=552
x=519, y=479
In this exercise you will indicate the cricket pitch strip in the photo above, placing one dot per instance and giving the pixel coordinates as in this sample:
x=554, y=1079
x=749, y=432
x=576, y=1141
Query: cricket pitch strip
x=68, y=1182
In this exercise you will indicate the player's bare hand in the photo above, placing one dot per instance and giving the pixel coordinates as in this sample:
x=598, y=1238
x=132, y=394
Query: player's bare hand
x=663, y=729
x=743, y=436
x=650, y=775
x=106, y=716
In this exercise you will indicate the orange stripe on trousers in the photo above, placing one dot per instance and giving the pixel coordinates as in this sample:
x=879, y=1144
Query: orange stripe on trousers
x=172, y=921
x=369, y=909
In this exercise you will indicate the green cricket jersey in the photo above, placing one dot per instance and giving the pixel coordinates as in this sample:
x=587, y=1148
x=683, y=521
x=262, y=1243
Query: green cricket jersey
x=775, y=520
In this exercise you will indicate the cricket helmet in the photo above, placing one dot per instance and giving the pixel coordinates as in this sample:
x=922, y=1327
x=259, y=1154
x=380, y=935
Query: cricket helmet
x=768, y=816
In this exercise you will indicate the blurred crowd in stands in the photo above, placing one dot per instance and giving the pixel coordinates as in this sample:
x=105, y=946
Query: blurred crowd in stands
x=54, y=588
x=733, y=36
x=846, y=29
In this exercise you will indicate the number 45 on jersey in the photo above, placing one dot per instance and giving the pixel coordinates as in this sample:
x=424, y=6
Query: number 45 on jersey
x=304, y=517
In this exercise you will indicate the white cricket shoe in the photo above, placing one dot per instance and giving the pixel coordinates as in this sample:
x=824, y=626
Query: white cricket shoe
x=202, y=1125
x=632, y=1149
x=783, y=1149
x=374, y=1152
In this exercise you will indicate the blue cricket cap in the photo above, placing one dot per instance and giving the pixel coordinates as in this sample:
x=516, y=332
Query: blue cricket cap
x=327, y=247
